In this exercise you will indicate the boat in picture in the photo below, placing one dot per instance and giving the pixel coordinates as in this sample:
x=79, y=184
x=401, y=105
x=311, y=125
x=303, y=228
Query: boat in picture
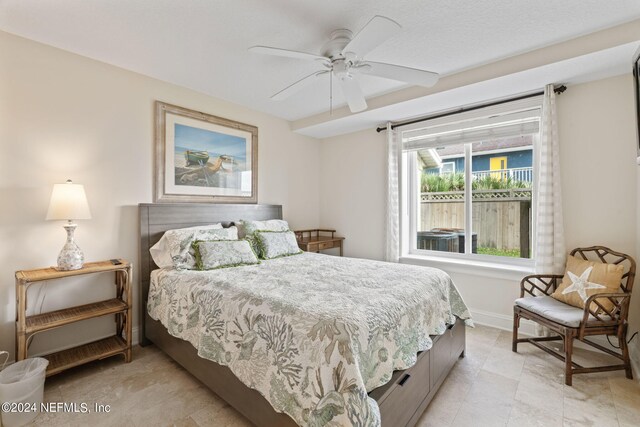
x=196, y=157
x=223, y=163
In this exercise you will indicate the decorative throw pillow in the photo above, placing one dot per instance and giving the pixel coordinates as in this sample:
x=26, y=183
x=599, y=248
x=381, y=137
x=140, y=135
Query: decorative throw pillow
x=180, y=248
x=161, y=252
x=585, y=278
x=223, y=253
x=275, y=244
x=247, y=229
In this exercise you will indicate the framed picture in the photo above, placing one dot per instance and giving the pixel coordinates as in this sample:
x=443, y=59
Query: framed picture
x=636, y=83
x=204, y=158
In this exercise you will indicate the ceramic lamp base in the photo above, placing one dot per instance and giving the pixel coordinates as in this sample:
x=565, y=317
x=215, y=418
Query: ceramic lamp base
x=70, y=257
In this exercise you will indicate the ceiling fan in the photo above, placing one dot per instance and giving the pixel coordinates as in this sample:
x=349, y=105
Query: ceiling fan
x=343, y=57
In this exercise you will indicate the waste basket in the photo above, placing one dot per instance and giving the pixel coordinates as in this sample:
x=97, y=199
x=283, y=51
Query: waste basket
x=20, y=384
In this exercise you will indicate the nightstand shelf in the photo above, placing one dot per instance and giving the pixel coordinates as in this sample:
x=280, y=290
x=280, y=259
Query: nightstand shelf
x=120, y=306
x=54, y=319
x=50, y=273
x=76, y=356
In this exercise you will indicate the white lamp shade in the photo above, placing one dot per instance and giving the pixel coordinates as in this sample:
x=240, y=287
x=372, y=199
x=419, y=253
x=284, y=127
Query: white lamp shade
x=69, y=202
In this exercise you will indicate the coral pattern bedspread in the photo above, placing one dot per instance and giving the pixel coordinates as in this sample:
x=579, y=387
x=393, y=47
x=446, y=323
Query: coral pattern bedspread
x=312, y=333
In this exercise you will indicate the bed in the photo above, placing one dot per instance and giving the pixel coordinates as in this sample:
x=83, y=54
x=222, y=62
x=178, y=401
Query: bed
x=332, y=357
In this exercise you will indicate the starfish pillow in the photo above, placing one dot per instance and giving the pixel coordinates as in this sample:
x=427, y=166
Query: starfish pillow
x=585, y=278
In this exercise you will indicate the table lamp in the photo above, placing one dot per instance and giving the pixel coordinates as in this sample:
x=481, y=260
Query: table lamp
x=69, y=202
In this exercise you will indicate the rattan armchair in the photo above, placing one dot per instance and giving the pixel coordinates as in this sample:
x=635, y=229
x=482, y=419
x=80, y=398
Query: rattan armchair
x=568, y=323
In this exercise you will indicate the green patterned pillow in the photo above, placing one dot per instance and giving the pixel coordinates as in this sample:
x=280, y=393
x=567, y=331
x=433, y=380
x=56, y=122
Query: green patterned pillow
x=223, y=253
x=275, y=244
x=247, y=229
x=181, y=248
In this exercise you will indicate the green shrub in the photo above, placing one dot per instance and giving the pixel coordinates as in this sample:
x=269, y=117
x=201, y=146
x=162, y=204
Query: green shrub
x=490, y=182
x=433, y=183
x=440, y=183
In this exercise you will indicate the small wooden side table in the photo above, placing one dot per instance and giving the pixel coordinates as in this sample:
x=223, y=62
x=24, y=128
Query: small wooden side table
x=314, y=241
x=120, y=306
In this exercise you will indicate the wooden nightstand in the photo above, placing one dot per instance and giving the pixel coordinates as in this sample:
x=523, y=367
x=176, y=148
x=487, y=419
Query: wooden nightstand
x=28, y=326
x=314, y=241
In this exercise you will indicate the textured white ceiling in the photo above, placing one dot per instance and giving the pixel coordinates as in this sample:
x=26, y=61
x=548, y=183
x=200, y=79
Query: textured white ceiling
x=203, y=44
x=599, y=65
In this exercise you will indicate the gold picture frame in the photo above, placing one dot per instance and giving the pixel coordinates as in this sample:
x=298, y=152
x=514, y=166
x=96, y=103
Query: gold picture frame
x=202, y=158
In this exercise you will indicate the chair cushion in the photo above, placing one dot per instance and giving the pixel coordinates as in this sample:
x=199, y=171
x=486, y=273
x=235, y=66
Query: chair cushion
x=554, y=310
x=584, y=278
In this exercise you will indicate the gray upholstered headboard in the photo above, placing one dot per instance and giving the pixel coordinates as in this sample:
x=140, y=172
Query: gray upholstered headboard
x=156, y=218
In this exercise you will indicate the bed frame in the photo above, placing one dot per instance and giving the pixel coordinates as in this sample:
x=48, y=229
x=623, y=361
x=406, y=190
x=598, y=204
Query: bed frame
x=402, y=400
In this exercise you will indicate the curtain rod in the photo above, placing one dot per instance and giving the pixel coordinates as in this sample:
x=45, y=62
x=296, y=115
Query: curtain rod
x=557, y=90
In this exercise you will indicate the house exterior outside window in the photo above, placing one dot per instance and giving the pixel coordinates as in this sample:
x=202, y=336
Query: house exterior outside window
x=470, y=187
x=510, y=158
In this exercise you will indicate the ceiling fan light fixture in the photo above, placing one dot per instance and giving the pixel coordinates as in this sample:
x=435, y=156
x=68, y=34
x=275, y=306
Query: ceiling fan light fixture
x=342, y=56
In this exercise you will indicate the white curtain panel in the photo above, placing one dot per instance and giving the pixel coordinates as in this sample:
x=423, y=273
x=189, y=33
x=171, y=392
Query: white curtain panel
x=392, y=225
x=550, y=251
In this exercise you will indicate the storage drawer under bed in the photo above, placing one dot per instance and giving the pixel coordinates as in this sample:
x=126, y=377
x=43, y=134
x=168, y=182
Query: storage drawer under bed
x=450, y=346
x=403, y=399
x=409, y=390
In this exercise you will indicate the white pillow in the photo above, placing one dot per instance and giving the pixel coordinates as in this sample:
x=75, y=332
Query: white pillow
x=161, y=252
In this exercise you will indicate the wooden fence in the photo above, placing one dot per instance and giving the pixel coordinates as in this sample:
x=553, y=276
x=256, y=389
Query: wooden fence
x=501, y=218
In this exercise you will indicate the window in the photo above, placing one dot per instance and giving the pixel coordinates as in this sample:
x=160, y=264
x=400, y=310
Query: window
x=479, y=202
x=448, y=168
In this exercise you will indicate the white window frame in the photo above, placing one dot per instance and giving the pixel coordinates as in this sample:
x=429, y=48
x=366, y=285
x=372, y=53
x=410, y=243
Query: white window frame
x=453, y=164
x=410, y=184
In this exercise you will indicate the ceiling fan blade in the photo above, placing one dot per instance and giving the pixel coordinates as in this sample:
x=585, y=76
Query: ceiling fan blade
x=353, y=94
x=295, y=87
x=397, y=72
x=276, y=51
x=377, y=30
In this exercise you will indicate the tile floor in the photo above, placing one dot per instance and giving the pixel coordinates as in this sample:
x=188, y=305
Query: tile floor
x=491, y=386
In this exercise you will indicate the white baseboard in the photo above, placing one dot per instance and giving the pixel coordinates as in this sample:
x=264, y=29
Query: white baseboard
x=135, y=339
x=502, y=321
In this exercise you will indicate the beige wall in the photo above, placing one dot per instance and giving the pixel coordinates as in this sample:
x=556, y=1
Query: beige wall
x=352, y=191
x=65, y=116
x=598, y=157
x=597, y=137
